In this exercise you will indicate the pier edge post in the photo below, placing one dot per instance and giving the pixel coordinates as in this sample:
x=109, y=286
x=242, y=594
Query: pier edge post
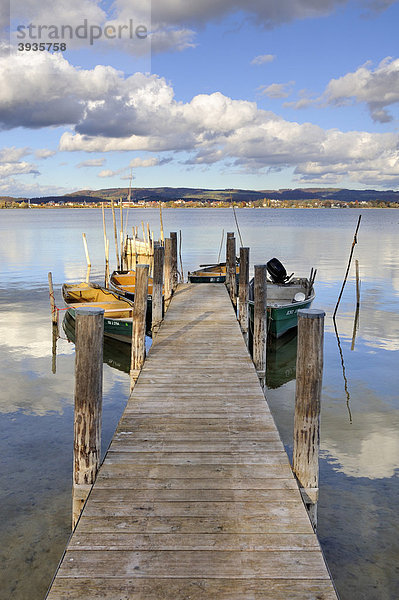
x=168, y=276
x=309, y=375
x=260, y=320
x=243, y=292
x=175, y=273
x=139, y=323
x=157, y=284
x=88, y=404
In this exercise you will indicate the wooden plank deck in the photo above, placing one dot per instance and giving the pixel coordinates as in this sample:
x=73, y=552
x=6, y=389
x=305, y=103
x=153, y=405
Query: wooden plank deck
x=195, y=499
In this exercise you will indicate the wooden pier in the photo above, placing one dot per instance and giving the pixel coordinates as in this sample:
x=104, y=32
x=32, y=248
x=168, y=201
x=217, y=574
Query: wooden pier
x=195, y=498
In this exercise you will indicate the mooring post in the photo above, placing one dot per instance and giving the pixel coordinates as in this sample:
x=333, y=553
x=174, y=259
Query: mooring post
x=231, y=270
x=260, y=321
x=168, y=282
x=309, y=375
x=243, y=292
x=139, y=323
x=54, y=311
x=88, y=403
x=229, y=234
x=175, y=273
x=157, y=284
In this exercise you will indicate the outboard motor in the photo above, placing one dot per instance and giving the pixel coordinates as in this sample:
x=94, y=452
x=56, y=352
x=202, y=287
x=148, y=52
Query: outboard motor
x=277, y=271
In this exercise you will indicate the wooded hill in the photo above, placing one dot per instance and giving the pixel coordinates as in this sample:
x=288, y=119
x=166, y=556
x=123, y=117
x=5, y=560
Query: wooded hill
x=167, y=194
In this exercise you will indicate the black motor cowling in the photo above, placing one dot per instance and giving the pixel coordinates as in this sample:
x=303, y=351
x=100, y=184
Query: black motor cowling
x=277, y=271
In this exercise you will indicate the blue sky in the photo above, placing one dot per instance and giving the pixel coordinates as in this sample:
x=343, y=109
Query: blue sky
x=223, y=94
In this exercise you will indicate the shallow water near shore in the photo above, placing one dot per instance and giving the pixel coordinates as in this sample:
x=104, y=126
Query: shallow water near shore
x=359, y=484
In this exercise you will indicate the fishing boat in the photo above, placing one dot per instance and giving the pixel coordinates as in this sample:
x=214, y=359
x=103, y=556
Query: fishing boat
x=118, y=311
x=211, y=274
x=285, y=296
x=124, y=284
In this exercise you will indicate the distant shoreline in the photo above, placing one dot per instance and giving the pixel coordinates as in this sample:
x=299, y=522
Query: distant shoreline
x=165, y=207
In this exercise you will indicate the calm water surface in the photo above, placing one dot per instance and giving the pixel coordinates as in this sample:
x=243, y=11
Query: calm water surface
x=357, y=513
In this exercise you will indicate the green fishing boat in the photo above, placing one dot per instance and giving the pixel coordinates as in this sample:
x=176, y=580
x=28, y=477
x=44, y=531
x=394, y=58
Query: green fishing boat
x=285, y=296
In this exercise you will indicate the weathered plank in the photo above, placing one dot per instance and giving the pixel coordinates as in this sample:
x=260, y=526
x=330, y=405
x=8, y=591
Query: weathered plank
x=195, y=498
x=193, y=588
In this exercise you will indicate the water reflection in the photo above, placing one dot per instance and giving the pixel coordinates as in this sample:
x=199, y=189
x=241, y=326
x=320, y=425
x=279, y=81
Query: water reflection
x=348, y=398
x=359, y=461
x=281, y=359
x=115, y=354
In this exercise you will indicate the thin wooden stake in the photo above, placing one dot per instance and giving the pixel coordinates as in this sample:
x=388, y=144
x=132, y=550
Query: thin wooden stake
x=309, y=375
x=243, y=292
x=221, y=246
x=88, y=403
x=121, y=237
x=139, y=323
x=260, y=321
x=134, y=250
x=118, y=262
x=106, y=282
x=148, y=239
x=157, y=285
x=238, y=227
x=104, y=226
x=86, y=250
x=161, y=222
x=349, y=264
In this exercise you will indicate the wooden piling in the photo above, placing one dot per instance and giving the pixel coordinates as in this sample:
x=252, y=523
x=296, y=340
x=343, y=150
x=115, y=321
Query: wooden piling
x=231, y=269
x=88, y=403
x=168, y=283
x=309, y=374
x=243, y=292
x=175, y=272
x=139, y=323
x=260, y=321
x=54, y=311
x=157, y=285
x=180, y=257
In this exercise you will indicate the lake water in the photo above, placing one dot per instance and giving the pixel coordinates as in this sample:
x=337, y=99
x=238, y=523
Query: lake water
x=359, y=484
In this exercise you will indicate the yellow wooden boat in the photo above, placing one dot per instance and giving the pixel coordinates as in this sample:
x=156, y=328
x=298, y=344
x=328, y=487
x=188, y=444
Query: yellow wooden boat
x=124, y=284
x=118, y=311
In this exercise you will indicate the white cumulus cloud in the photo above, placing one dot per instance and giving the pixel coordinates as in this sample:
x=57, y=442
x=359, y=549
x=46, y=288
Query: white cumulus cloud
x=378, y=88
x=262, y=59
x=107, y=111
